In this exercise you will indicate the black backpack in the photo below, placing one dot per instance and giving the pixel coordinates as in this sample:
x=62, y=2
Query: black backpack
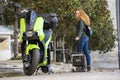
x=88, y=31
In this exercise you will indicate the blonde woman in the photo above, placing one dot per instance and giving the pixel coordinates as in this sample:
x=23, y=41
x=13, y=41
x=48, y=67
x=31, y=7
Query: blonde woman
x=81, y=37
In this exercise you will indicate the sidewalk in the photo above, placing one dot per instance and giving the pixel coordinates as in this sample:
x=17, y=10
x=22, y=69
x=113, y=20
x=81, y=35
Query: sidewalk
x=11, y=68
x=15, y=68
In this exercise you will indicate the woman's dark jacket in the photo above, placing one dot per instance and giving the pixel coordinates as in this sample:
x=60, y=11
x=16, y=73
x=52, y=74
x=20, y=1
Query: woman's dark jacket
x=80, y=29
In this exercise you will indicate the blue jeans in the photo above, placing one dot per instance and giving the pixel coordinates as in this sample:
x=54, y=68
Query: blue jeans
x=82, y=45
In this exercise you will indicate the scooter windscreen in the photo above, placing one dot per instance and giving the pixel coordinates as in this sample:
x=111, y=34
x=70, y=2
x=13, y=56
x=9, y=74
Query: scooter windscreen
x=30, y=18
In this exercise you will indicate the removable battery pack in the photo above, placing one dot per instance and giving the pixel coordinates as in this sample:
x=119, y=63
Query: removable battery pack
x=78, y=60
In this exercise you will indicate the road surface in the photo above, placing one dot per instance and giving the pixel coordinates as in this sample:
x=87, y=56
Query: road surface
x=93, y=75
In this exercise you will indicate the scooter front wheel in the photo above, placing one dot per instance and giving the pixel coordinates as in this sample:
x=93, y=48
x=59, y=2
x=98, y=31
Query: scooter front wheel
x=33, y=62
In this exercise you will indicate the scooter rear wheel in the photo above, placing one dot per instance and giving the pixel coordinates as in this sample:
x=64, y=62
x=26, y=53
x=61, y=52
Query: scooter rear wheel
x=44, y=69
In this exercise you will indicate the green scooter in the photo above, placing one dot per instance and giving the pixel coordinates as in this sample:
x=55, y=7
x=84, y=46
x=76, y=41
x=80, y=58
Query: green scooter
x=35, y=37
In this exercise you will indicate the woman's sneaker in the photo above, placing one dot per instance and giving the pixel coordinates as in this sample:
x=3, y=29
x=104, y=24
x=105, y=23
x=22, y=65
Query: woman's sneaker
x=88, y=68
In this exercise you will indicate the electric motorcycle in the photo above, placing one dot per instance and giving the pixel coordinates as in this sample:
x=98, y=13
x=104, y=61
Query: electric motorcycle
x=35, y=37
x=36, y=41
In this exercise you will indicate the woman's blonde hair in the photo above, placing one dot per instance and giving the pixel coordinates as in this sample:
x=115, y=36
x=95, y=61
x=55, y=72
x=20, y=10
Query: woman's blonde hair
x=83, y=16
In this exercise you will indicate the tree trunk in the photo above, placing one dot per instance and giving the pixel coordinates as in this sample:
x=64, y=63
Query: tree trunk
x=15, y=37
x=2, y=4
x=63, y=48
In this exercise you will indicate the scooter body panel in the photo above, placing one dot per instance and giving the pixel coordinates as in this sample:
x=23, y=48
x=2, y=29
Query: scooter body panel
x=38, y=28
x=31, y=47
x=44, y=62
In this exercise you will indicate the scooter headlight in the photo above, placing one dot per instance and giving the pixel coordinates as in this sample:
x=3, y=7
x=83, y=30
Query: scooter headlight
x=29, y=33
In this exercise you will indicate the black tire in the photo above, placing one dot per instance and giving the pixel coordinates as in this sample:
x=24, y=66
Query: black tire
x=80, y=69
x=35, y=57
x=44, y=69
x=73, y=70
x=49, y=57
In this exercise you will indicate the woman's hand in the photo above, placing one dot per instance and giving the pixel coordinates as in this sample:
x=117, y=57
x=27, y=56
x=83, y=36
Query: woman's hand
x=77, y=38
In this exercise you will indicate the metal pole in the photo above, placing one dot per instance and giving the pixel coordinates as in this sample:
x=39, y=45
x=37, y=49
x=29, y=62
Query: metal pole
x=118, y=27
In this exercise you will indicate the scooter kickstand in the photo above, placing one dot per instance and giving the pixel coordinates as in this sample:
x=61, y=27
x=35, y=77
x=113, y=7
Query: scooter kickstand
x=37, y=70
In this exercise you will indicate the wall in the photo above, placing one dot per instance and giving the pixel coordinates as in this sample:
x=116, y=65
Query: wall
x=5, y=47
